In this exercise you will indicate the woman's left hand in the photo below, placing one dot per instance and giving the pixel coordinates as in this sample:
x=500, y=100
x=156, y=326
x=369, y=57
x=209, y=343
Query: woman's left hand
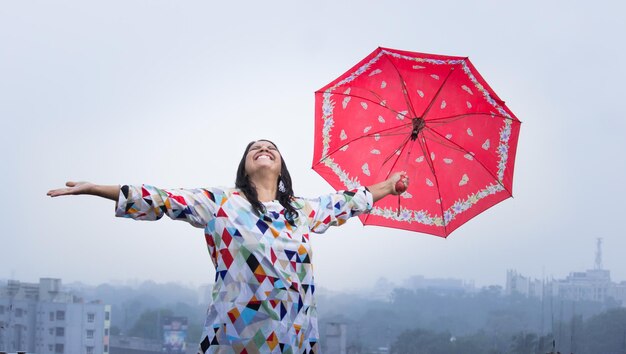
x=399, y=182
x=396, y=184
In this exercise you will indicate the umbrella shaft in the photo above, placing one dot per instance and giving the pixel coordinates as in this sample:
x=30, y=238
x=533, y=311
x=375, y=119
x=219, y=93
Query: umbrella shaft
x=418, y=126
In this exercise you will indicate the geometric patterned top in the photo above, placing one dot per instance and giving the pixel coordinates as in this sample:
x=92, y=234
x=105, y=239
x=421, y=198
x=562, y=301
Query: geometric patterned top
x=262, y=300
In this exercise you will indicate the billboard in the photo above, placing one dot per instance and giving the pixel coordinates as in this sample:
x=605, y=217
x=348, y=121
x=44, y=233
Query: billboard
x=174, y=335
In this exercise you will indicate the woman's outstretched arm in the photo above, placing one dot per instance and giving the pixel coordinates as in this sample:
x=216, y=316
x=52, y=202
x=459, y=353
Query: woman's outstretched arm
x=396, y=184
x=145, y=202
x=78, y=188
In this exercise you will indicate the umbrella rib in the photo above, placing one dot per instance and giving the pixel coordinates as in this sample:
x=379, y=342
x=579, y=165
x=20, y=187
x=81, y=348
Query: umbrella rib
x=370, y=100
x=363, y=137
x=474, y=157
x=398, y=134
x=386, y=130
x=426, y=151
x=437, y=93
x=446, y=142
x=407, y=99
x=459, y=116
x=402, y=146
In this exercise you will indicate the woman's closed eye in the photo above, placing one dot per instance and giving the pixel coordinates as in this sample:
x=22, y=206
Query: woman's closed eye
x=258, y=147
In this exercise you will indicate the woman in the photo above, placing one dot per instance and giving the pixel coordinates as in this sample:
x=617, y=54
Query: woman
x=258, y=238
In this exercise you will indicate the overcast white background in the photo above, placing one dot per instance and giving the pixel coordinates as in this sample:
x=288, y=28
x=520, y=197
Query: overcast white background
x=170, y=92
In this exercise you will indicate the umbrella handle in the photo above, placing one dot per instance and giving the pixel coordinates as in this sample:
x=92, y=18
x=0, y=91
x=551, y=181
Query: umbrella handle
x=400, y=188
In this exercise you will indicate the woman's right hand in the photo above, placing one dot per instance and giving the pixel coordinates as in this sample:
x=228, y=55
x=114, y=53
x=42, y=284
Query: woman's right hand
x=73, y=188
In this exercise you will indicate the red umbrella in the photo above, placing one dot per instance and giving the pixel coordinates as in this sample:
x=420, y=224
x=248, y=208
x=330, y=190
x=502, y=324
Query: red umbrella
x=432, y=116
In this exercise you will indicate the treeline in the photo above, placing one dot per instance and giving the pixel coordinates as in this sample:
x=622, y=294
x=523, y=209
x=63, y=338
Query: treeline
x=405, y=321
x=436, y=321
x=603, y=333
x=137, y=311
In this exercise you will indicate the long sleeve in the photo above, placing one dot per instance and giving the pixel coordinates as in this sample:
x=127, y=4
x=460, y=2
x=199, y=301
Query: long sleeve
x=336, y=208
x=196, y=206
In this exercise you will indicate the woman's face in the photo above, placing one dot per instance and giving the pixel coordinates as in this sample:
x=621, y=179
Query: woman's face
x=263, y=156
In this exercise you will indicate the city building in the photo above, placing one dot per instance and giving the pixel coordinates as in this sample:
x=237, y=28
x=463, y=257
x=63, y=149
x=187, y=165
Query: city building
x=439, y=285
x=590, y=285
x=519, y=284
x=42, y=318
x=336, y=337
x=135, y=345
x=618, y=292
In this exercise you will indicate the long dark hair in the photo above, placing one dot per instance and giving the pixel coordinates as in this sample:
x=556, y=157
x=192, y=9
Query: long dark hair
x=244, y=184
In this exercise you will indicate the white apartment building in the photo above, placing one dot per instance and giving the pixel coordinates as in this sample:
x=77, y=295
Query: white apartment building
x=592, y=285
x=336, y=338
x=43, y=319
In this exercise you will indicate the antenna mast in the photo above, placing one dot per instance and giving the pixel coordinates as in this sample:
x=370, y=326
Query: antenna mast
x=599, y=254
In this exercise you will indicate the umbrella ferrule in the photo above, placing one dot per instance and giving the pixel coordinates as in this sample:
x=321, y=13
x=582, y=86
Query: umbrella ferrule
x=418, y=126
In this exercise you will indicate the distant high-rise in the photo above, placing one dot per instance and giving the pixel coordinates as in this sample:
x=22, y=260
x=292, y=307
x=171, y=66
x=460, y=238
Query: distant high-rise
x=41, y=318
x=519, y=284
x=336, y=338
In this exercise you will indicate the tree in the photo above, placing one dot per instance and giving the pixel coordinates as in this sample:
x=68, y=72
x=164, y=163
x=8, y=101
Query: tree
x=545, y=343
x=478, y=343
x=524, y=343
x=149, y=324
x=606, y=332
x=115, y=331
x=421, y=341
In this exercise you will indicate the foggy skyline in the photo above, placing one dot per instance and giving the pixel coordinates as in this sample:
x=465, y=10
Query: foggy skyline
x=169, y=94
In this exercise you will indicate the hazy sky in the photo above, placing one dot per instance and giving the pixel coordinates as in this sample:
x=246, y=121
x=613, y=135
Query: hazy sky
x=169, y=92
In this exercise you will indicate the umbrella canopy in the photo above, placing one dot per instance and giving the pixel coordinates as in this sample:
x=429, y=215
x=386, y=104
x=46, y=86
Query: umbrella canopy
x=432, y=116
